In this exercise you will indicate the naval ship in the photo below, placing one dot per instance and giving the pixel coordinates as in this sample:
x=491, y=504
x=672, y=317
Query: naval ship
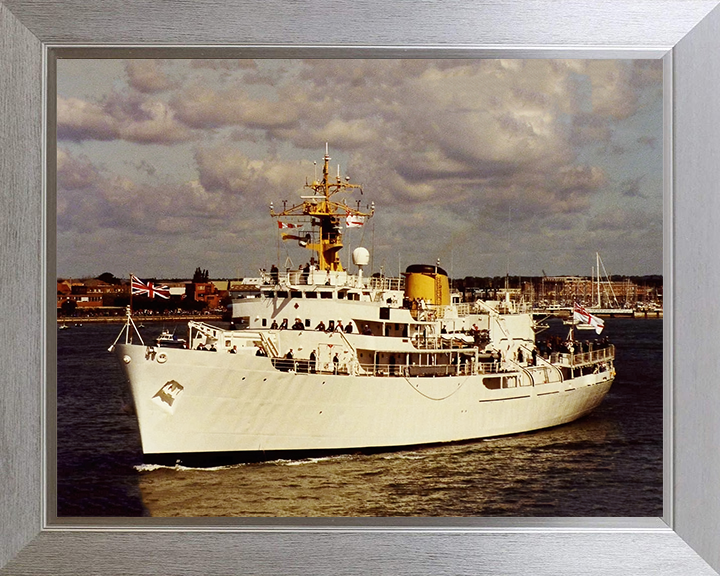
x=319, y=360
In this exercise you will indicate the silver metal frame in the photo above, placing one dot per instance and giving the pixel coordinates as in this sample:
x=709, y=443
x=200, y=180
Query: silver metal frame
x=685, y=33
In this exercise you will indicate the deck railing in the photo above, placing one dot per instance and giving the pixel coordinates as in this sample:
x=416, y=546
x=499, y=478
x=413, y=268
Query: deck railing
x=386, y=283
x=528, y=375
x=583, y=358
x=368, y=369
x=380, y=369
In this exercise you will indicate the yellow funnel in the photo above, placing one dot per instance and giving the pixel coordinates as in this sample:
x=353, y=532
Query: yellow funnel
x=429, y=283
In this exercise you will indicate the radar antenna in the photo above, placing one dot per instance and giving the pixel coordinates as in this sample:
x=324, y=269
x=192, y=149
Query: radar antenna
x=324, y=215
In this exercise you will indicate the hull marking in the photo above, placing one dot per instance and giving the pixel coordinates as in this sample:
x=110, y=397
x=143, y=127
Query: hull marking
x=168, y=395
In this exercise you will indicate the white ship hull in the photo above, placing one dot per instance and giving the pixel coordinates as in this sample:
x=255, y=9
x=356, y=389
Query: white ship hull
x=190, y=402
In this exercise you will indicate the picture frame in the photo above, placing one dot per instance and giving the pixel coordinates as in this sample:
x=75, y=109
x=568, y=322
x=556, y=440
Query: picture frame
x=685, y=541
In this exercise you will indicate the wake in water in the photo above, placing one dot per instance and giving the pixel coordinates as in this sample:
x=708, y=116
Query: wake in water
x=279, y=462
x=181, y=468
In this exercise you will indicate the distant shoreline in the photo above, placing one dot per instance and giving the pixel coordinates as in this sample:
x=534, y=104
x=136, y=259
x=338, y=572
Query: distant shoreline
x=138, y=319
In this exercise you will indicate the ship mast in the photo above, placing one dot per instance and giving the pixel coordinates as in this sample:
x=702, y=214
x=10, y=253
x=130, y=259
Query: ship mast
x=324, y=216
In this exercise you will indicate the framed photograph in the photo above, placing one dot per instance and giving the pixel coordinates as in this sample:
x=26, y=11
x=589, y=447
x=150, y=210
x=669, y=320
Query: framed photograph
x=674, y=39
x=500, y=170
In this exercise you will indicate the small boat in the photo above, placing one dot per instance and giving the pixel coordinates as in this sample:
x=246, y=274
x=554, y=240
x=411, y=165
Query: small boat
x=169, y=340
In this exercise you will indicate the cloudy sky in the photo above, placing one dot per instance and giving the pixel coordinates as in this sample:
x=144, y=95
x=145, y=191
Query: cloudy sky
x=489, y=165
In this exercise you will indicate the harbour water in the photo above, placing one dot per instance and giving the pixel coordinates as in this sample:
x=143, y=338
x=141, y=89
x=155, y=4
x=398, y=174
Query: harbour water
x=606, y=464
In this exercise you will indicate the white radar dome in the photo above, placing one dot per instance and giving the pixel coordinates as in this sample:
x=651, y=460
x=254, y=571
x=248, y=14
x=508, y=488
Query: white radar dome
x=361, y=256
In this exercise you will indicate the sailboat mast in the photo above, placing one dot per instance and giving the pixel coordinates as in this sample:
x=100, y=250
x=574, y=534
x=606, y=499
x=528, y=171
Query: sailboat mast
x=597, y=267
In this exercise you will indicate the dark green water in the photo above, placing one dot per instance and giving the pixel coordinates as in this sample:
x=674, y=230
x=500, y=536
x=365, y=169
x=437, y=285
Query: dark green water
x=606, y=464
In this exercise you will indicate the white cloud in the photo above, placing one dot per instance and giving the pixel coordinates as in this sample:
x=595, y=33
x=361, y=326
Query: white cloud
x=79, y=120
x=148, y=76
x=203, y=107
x=119, y=117
x=452, y=145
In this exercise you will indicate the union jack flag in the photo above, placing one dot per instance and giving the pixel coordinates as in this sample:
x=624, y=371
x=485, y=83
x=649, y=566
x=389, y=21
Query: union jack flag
x=149, y=289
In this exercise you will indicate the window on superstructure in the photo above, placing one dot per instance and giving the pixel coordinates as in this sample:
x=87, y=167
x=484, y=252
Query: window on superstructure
x=296, y=294
x=282, y=294
x=310, y=294
x=264, y=322
x=325, y=294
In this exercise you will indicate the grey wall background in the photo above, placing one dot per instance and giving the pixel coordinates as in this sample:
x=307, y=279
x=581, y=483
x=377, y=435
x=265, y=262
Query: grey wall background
x=686, y=541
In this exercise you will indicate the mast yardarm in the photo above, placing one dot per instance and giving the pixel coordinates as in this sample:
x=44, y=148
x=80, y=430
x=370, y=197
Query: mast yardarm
x=324, y=216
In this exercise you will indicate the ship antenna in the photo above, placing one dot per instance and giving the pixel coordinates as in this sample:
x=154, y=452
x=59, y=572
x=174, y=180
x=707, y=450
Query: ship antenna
x=326, y=173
